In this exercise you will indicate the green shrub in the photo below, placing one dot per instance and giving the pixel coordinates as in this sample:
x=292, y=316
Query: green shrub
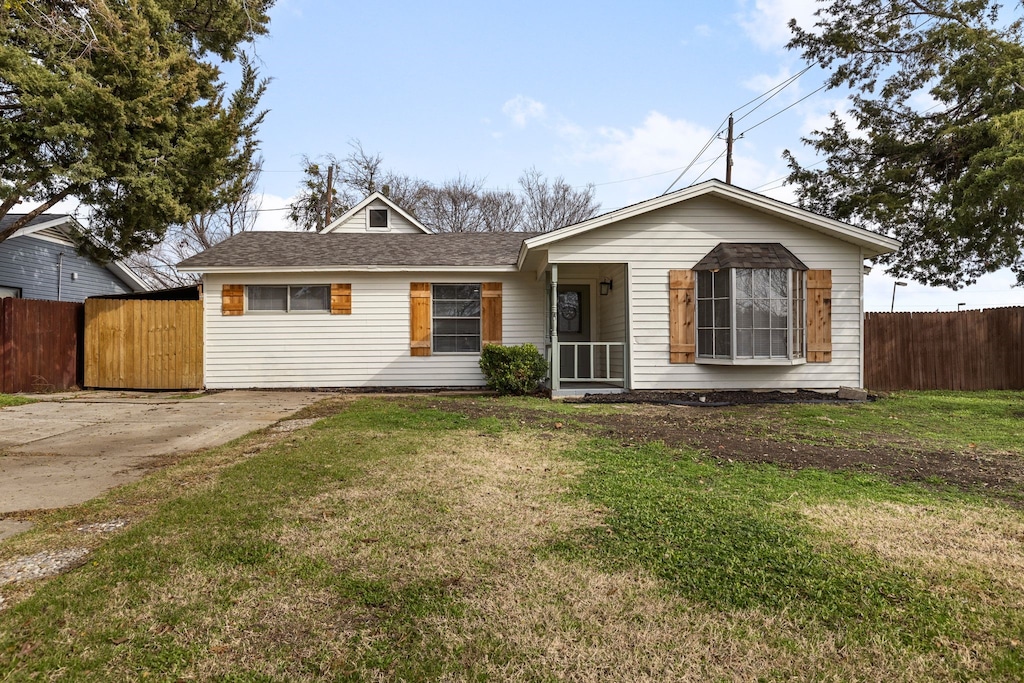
x=514, y=370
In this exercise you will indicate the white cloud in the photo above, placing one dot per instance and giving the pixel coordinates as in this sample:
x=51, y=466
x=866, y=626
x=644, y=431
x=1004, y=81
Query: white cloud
x=762, y=83
x=766, y=23
x=659, y=143
x=661, y=147
x=273, y=213
x=522, y=109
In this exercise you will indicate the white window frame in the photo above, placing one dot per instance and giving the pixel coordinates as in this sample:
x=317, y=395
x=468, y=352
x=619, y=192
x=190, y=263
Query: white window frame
x=434, y=318
x=288, y=301
x=791, y=358
x=387, y=218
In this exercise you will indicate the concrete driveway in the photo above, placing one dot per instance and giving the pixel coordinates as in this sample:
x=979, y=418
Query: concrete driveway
x=63, y=452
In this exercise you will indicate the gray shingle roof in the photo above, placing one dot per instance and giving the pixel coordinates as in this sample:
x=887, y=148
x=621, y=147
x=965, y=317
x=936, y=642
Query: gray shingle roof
x=259, y=250
x=41, y=218
x=749, y=255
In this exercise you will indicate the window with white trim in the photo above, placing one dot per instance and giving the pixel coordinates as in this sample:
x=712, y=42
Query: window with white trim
x=456, y=318
x=378, y=218
x=288, y=298
x=750, y=313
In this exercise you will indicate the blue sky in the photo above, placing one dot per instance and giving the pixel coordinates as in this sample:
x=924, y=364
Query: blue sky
x=597, y=92
x=621, y=95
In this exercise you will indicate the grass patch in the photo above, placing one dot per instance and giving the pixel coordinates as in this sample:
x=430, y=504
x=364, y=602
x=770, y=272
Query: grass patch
x=14, y=400
x=737, y=537
x=448, y=538
x=984, y=420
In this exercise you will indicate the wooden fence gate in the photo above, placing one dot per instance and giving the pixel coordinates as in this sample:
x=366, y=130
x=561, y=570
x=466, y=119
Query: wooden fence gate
x=143, y=344
x=40, y=344
x=960, y=351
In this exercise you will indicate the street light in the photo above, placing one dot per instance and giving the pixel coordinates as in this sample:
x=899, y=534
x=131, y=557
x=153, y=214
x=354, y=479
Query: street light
x=898, y=283
x=960, y=306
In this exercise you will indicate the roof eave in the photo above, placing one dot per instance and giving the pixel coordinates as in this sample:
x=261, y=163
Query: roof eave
x=366, y=202
x=873, y=243
x=349, y=269
x=55, y=223
x=124, y=272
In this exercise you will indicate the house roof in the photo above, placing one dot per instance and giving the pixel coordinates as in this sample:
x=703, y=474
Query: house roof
x=62, y=222
x=749, y=255
x=872, y=243
x=40, y=222
x=376, y=196
x=294, y=251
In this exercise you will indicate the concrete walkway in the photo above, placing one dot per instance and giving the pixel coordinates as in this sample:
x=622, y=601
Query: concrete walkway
x=69, y=448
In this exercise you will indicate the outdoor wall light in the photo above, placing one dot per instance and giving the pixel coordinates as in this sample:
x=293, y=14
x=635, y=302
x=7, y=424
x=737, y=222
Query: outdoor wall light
x=606, y=287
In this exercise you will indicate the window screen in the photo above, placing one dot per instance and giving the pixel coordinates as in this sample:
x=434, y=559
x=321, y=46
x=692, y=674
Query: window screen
x=289, y=298
x=378, y=218
x=456, y=318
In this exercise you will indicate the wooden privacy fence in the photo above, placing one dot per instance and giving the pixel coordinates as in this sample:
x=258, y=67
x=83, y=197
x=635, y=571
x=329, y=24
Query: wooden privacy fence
x=967, y=350
x=141, y=344
x=40, y=344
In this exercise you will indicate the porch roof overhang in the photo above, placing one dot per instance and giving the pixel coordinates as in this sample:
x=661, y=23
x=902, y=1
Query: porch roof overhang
x=872, y=243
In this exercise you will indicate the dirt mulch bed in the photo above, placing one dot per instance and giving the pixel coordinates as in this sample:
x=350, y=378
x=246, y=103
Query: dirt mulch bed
x=899, y=462
x=711, y=399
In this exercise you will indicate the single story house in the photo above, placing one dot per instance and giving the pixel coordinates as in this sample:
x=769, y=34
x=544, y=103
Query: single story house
x=712, y=286
x=41, y=261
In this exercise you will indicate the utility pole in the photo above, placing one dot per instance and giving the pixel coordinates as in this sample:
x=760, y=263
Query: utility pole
x=330, y=190
x=728, y=154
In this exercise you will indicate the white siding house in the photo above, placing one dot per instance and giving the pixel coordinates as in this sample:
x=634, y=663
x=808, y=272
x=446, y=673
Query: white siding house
x=639, y=298
x=377, y=214
x=367, y=348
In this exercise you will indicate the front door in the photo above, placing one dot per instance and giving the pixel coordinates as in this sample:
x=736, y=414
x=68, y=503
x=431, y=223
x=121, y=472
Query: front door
x=574, y=326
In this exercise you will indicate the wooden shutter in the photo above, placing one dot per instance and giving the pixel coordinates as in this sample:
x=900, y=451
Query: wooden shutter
x=490, y=313
x=681, y=314
x=232, y=300
x=419, y=318
x=819, y=316
x=341, y=299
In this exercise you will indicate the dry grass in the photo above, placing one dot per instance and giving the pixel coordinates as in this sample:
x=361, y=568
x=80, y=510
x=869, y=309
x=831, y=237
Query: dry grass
x=472, y=509
x=468, y=515
x=465, y=501
x=941, y=541
x=572, y=622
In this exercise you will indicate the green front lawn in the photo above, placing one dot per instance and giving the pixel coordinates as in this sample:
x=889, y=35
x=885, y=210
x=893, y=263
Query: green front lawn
x=990, y=420
x=406, y=539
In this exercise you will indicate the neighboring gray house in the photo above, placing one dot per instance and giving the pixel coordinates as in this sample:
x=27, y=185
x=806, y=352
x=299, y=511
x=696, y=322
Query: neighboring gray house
x=41, y=262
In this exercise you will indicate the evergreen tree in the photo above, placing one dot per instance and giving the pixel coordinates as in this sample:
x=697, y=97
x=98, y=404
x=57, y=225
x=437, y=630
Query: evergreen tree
x=121, y=106
x=932, y=148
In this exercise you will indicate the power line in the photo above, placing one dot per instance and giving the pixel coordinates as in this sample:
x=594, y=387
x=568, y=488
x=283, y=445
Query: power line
x=778, y=89
x=708, y=167
x=785, y=177
x=813, y=92
x=767, y=96
x=714, y=136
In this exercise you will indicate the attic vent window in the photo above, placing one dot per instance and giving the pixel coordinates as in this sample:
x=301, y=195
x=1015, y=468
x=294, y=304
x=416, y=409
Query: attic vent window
x=378, y=218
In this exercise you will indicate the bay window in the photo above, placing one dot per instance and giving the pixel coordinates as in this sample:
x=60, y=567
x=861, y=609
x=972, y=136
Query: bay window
x=750, y=304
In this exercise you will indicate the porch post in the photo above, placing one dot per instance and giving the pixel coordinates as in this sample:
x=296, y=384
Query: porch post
x=555, y=355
